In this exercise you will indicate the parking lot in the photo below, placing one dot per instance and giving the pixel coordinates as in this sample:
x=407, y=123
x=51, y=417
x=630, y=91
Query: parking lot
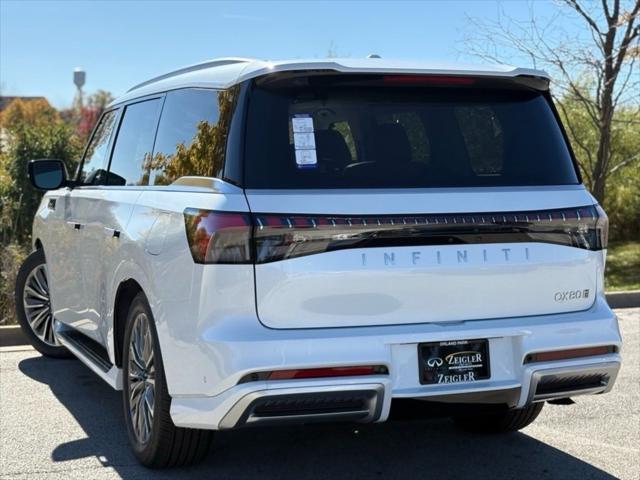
x=58, y=420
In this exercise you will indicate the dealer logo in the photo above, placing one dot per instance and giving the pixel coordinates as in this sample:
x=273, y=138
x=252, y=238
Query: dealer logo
x=435, y=362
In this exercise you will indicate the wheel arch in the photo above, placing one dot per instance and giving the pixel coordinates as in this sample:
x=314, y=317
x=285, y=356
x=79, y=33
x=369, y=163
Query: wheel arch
x=126, y=292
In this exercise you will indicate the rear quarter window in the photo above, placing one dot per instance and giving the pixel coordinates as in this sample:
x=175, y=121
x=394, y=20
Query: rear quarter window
x=191, y=135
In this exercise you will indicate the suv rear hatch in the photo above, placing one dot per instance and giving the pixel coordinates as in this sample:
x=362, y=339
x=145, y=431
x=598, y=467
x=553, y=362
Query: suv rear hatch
x=392, y=199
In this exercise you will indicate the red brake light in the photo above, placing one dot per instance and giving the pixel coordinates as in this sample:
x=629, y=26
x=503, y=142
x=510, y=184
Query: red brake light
x=428, y=79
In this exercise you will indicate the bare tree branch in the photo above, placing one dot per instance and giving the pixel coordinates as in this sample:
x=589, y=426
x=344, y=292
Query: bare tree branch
x=604, y=53
x=594, y=26
x=623, y=163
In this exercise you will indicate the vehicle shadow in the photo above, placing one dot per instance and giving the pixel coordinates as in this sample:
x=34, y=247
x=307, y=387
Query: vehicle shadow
x=428, y=448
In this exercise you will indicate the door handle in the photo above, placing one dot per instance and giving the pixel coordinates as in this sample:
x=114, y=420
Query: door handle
x=112, y=231
x=74, y=225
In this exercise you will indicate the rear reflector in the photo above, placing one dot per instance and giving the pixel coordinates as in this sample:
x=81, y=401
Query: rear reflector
x=567, y=354
x=325, y=372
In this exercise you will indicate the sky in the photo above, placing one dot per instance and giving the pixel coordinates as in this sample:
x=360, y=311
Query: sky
x=121, y=43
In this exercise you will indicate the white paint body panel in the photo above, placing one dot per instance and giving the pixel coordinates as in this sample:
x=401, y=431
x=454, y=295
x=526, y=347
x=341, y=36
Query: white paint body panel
x=384, y=286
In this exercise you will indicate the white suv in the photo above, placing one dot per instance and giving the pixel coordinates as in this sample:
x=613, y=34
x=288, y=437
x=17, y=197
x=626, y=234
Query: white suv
x=250, y=242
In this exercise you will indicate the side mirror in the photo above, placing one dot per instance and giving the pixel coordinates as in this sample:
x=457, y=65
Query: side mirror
x=47, y=174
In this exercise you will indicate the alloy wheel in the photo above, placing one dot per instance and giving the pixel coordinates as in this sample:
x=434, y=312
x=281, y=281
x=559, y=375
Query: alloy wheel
x=141, y=378
x=37, y=305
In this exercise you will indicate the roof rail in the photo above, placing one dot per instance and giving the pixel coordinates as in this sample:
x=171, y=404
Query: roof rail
x=216, y=62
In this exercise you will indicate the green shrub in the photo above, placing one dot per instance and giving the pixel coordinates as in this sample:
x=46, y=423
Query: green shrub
x=11, y=257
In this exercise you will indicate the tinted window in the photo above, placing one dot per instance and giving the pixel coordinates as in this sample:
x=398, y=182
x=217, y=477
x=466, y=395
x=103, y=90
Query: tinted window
x=134, y=144
x=331, y=136
x=191, y=136
x=94, y=166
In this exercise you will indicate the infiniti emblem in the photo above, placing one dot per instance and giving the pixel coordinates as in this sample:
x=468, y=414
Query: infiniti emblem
x=435, y=362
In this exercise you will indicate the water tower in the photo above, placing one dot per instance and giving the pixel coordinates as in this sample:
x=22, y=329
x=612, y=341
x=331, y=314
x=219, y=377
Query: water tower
x=79, y=77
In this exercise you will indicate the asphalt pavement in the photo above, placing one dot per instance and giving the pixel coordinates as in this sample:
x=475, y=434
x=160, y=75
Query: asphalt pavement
x=58, y=420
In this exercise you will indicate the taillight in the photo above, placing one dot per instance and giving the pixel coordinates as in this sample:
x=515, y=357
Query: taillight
x=233, y=237
x=282, y=236
x=218, y=237
x=602, y=227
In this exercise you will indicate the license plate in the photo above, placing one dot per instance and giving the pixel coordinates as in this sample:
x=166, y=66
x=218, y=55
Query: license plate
x=456, y=361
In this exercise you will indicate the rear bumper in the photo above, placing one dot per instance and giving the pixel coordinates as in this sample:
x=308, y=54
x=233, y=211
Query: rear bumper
x=368, y=398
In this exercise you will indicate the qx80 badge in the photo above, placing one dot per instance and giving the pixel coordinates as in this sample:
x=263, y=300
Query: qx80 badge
x=571, y=295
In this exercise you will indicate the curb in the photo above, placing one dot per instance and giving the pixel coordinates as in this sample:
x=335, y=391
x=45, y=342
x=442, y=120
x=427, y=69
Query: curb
x=628, y=299
x=11, y=335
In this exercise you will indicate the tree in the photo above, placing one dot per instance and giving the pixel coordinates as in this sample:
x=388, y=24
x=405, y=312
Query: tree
x=36, y=112
x=32, y=130
x=84, y=118
x=623, y=190
x=604, y=52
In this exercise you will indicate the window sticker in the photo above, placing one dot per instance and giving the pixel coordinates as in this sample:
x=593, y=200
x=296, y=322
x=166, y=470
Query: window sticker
x=304, y=140
x=302, y=123
x=306, y=158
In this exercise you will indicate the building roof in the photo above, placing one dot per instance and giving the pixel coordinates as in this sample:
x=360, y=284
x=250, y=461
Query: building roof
x=226, y=72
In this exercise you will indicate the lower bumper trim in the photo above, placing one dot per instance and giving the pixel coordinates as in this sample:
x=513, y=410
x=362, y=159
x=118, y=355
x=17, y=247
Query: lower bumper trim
x=565, y=382
x=269, y=407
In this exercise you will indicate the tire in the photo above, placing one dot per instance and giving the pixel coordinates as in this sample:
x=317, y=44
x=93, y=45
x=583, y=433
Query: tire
x=33, y=307
x=156, y=441
x=502, y=422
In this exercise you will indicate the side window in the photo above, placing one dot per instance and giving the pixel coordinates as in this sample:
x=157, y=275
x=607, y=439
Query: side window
x=192, y=135
x=94, y=165
x=483, y=139
x=134, y=144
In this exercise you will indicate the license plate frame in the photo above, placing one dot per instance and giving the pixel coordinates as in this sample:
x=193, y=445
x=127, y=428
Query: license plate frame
x=454, y=362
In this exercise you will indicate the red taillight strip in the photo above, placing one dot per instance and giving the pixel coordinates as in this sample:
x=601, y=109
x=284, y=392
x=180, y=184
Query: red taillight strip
x=568, y=354
x=541, y=217
x=238, y=237
x=323, y=372
x=282, y=236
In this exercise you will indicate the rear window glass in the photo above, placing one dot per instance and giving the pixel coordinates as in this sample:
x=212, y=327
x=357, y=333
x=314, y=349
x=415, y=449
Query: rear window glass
x=402, y=137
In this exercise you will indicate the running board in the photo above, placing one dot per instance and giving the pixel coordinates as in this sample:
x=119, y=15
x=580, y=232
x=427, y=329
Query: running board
x=92, y=354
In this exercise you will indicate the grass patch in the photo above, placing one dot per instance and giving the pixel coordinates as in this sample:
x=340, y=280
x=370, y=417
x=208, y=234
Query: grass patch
x=623, y=266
